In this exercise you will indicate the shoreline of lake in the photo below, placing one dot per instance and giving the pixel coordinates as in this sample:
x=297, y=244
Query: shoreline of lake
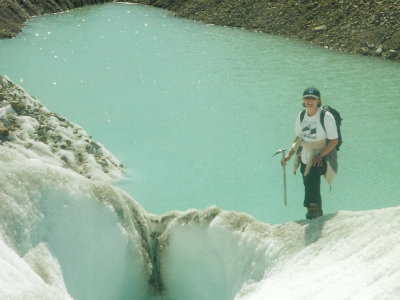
x=359, y=27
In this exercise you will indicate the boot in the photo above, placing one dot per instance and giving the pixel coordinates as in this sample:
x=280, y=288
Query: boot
x=313, y=211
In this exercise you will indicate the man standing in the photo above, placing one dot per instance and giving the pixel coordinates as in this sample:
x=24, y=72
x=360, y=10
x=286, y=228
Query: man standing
x=313, y=143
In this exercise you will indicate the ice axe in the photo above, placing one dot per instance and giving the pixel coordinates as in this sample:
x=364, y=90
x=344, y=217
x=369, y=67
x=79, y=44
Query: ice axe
x=284, y=174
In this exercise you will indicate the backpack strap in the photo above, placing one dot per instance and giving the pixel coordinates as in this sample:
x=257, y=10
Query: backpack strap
x=302, y=114
x=322, y=119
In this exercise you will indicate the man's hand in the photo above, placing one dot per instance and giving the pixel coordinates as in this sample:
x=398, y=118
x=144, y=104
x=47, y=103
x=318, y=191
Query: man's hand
x=317, y=161
x=283, y=161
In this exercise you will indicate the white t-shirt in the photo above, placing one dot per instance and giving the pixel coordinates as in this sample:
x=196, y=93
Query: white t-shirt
x=311, y=130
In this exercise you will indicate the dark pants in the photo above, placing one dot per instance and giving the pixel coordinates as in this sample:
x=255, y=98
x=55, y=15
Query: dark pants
x=312, y=184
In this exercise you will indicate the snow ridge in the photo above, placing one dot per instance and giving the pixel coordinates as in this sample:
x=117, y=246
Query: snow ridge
x=32, y=130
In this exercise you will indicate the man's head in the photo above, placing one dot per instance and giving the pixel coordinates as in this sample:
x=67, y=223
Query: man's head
x=311, y=93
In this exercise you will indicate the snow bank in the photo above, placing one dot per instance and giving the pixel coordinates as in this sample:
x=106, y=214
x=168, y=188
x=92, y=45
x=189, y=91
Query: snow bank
x=351, y=255
x=226, y=255
x=63, y=236
x=65, y=232
x=18, y=280
x=34, y=131
x=46, y=266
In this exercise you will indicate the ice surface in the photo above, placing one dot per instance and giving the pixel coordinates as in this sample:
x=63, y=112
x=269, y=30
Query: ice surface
x=18, y=280
x=71, y=233
x=345, y=256
x=350, y=255
x=46, y=266
x=67, y=233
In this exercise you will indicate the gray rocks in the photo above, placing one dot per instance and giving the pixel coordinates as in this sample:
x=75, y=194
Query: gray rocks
x=3, y=131
x=17, y=106
x=320, y=28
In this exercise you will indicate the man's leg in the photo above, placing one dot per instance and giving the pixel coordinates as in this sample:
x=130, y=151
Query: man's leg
x=312, y=190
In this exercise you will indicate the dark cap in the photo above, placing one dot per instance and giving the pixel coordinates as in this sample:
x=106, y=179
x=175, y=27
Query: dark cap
x=311, y=92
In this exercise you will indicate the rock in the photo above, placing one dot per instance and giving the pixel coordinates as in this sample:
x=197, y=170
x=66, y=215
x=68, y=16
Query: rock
x=17, y=106
x=3, y=131
x=320, y=28
x=364, y=51
x=379, y=50
x=370, y=45
x=392, y=54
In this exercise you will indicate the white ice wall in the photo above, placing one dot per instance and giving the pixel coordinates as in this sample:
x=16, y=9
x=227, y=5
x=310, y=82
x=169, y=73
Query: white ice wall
x=56, y=235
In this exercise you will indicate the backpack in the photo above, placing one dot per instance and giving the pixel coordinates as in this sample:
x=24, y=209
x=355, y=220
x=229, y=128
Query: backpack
x=336, y=116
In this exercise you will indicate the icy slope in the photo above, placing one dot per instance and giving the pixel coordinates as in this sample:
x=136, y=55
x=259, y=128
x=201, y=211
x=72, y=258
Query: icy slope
x=346, y=256
x=32, y=130
x=228, y=255
x=59, y=229
x=19, y=280
x=64, y=230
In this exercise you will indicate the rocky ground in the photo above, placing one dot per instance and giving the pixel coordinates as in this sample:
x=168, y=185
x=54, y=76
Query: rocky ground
x=354, y=26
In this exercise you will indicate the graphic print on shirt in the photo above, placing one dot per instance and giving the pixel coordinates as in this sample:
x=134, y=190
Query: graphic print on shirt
x=309, y=130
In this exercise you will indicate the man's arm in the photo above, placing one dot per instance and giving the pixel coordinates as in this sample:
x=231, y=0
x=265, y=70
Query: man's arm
x=290, y=154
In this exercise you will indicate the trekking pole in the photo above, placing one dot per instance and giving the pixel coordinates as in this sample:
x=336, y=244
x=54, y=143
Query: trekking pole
x=284, y=175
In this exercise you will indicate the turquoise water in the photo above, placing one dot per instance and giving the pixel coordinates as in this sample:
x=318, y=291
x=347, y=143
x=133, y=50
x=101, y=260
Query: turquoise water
x=196, y=111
